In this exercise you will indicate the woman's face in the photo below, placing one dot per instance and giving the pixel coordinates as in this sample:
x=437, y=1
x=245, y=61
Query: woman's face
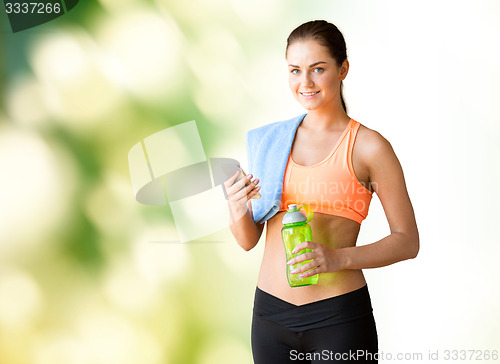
x=314, y=76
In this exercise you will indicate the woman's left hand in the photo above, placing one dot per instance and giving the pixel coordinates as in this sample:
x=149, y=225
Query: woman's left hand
x=324, y=259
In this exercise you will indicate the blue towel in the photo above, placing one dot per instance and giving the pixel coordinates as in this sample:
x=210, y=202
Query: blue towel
x=268, y=148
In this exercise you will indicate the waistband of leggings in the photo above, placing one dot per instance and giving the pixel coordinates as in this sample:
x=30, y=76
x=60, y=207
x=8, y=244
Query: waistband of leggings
x=326, y=312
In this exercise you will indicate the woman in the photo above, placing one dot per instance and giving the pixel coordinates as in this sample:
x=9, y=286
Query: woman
x=331, y=162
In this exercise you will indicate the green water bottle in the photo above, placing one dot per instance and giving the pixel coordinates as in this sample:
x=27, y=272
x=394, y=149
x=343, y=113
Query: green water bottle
x=296, y=230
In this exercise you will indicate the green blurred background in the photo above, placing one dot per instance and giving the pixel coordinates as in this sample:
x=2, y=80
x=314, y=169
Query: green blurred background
x=84, y=276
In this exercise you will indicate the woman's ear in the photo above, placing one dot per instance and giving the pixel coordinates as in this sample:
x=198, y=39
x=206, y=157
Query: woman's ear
x=344, y=69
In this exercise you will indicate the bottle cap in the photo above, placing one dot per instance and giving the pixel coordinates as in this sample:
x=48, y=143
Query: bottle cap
x=293, y=214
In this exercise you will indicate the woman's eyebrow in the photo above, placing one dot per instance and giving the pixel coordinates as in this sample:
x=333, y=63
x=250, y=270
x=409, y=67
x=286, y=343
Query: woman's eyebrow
x=311, y=65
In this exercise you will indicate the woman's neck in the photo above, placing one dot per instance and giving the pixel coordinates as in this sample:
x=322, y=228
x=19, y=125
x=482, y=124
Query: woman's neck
x=326, y=119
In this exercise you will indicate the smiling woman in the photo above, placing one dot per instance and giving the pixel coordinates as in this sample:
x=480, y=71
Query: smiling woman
x=312, y=85
x=306, y=45
x=323, y=147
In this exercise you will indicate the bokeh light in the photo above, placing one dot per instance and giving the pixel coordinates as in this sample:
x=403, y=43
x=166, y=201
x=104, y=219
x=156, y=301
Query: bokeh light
x=25, y=91
x=143, y=48
x=36, y=189
x=77, y=90
x=20, y=299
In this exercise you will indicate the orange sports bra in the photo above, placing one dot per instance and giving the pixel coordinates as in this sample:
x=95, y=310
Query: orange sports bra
x=330, y=186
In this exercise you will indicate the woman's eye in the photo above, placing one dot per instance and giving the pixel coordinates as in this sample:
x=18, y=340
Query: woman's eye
x=295, y=71
x=319, y=69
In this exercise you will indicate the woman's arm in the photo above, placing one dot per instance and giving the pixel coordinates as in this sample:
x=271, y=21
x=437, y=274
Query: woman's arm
x=387, y=180
x=246, y=232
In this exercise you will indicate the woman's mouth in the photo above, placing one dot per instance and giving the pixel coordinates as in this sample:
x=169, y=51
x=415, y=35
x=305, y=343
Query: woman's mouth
x=309, y=94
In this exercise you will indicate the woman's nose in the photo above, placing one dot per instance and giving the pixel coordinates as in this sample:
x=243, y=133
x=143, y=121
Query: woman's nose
x=307, y=79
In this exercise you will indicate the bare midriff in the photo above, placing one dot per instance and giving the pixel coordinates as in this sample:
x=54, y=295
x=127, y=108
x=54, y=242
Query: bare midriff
x=332, y=231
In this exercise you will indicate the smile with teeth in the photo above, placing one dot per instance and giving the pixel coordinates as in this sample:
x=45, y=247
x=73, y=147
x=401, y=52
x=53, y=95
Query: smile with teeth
x=309, y=93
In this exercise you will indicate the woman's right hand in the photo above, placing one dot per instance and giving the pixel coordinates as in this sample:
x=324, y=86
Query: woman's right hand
x=237, y=193
x=240, y=189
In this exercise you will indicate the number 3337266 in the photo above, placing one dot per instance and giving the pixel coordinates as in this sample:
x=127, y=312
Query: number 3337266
x=33, y=8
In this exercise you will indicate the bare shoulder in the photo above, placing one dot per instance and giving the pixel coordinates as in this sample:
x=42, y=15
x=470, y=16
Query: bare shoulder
x=370, y=140
x=370, y=144
x=380, y=162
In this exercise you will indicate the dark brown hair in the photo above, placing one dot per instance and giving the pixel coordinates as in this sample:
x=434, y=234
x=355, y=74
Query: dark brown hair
x=326, y=34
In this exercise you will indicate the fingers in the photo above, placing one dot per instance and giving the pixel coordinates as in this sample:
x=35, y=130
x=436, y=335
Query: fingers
x=302, y=246
x=301, y=258
x=254, y=191
x=235, y=184
x=246, y=190
x=239, y=189
x=310, y=273
x=231, y=180
x=306, y=267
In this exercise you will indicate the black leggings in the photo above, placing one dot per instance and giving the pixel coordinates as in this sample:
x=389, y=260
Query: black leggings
x=339, y=329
